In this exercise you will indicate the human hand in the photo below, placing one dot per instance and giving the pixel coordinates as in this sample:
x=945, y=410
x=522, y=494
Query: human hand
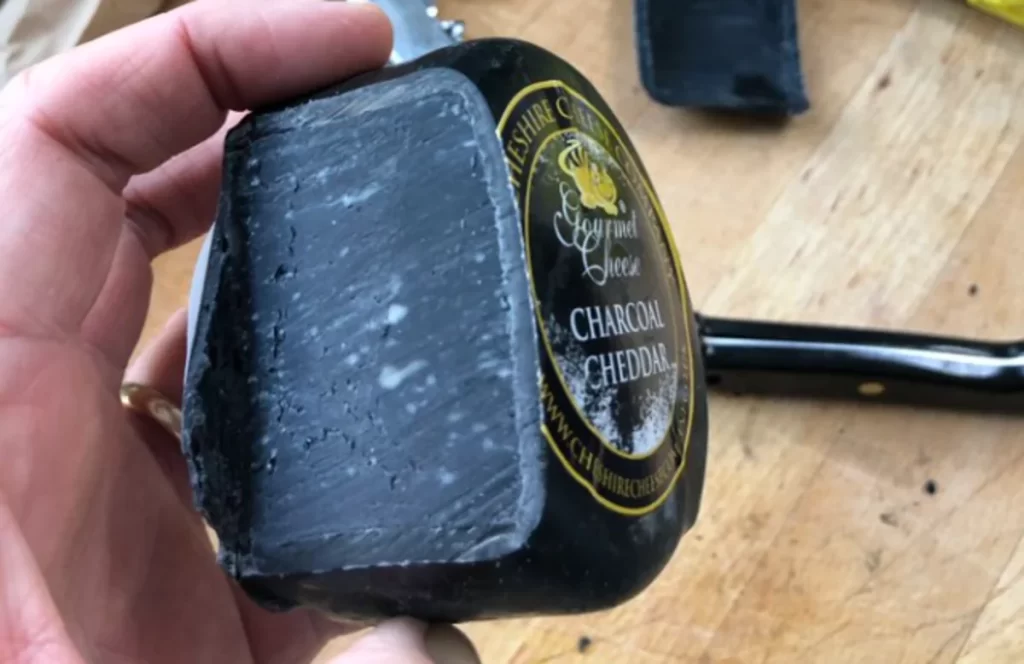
x=109, y=156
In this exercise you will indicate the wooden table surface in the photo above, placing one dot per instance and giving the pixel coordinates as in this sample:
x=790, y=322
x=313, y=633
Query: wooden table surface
x=897, y=201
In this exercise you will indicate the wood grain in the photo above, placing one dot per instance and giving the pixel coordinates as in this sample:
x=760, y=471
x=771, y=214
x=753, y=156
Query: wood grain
x=898, y=191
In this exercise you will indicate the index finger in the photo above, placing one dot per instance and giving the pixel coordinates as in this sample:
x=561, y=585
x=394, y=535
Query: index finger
x=75, y=129
x=127, y=102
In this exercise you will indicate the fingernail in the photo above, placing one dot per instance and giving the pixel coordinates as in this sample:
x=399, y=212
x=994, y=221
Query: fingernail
x=447, y=645
x=404, y=633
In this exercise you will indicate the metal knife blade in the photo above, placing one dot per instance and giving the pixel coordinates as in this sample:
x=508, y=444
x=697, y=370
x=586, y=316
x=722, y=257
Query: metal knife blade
x=417, y=28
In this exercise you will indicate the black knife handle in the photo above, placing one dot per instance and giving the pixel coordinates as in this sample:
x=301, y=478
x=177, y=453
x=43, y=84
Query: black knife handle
x=754, y=357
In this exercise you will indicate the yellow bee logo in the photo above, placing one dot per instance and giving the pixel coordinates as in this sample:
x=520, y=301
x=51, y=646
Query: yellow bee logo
x=596, y=187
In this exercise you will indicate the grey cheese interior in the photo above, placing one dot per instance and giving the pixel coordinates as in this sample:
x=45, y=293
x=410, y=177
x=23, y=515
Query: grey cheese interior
x=362, y=387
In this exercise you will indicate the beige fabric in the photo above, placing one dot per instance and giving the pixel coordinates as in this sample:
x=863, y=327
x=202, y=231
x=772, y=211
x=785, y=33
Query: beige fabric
x=34, y=30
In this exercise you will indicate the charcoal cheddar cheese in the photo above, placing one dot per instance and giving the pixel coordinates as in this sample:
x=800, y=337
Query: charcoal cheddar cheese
x=442, y=360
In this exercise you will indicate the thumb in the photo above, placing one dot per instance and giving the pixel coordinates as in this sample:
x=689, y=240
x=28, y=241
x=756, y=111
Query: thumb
x=405, y=641
x=401, y=641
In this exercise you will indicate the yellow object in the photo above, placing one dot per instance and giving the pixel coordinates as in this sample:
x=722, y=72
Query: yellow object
x=1008, y=10
x=597, y=189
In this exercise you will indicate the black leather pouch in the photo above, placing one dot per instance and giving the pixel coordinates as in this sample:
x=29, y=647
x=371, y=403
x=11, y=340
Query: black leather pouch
x=721, y=54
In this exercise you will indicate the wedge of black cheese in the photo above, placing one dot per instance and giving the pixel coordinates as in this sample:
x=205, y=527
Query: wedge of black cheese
x=376, y=420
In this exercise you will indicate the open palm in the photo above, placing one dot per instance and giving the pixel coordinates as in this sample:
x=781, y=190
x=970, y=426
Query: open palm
x=109, y=156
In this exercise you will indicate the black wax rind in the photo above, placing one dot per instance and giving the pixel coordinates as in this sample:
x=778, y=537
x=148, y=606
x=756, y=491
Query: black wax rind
x=363, y=414
x=740, y=55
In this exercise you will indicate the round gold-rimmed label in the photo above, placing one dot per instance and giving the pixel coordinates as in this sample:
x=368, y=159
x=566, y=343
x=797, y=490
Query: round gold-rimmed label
x=609, y=297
